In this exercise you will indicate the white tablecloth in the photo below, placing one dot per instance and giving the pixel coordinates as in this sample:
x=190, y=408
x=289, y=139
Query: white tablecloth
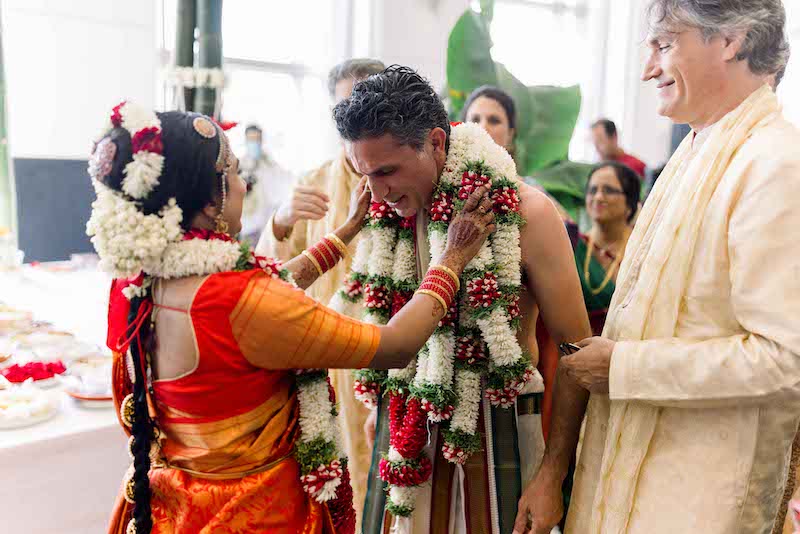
x=63, y=475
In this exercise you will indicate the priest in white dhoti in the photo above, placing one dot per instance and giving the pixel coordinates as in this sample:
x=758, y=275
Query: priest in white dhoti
x=696, y=380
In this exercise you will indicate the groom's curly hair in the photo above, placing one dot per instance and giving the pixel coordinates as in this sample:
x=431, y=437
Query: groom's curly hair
x=397, y=101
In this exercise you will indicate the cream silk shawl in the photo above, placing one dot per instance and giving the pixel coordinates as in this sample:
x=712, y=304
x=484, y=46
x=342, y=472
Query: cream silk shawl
x=652, y=282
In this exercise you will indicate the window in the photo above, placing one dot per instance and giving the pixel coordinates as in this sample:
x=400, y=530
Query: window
x=276, y=59
x=541, y=42
x=544, y=42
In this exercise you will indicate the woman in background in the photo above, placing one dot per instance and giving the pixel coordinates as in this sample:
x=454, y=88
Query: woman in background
x=612, y=200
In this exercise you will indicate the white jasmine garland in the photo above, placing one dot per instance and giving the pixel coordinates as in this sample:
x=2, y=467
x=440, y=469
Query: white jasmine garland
x=438, y=241
x=423, y=358
x=470, y=142
x=468, y=391
x=508, y=255
x=135, y=118
x=196, y=257
x=141, y=174
x=500, y=339
x=315, y=412
x=406, y=374
x=442, y=348
x=403, y=496
x=363, y=250
x=381, y=259
x=126, y=239
x=483, y=258
x=405, y=264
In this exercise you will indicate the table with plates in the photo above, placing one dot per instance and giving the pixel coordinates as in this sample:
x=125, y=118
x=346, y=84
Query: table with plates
x=62, y=471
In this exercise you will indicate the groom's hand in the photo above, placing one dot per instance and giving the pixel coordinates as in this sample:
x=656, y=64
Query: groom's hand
x=541, y=506
x=590, y=366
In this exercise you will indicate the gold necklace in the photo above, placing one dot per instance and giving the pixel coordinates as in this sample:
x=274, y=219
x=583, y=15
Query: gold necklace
x=611, y=268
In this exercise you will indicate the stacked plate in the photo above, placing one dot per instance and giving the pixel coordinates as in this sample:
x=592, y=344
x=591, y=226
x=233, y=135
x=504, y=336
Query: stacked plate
x=25, y=406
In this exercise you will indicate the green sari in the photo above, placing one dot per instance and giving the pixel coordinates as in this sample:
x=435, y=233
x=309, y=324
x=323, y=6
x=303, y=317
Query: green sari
x=597, y=305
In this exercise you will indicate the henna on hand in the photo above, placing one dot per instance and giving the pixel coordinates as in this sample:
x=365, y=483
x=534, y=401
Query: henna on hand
x=469, y=229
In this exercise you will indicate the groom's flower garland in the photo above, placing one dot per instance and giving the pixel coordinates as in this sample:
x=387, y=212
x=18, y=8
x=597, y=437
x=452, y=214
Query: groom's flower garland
x=475, y=343
x=130, y=242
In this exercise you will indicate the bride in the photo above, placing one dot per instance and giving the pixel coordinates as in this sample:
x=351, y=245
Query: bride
x=218, y=353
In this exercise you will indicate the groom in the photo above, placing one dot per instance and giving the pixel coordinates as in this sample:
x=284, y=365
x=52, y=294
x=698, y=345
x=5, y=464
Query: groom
x=397, y=133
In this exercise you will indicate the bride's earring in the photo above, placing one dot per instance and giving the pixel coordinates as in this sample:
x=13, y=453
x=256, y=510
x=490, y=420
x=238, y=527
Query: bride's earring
x=220, y=224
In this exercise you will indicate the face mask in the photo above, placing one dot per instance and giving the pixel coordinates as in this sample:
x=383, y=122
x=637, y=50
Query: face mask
x=253, y=150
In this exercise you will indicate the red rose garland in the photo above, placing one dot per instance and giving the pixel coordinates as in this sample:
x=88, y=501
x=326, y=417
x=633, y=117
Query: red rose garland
x=378, y=298
x=505, y=200
x=482, y=292
x=341, y=509
x=470, y=181
x=442, y=207
x=470, y=350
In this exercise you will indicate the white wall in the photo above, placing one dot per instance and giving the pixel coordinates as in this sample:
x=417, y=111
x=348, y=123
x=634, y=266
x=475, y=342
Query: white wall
x=67, y=64
x=415, y=32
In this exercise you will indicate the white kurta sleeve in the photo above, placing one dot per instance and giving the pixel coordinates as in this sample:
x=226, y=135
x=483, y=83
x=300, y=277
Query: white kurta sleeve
x=762, y=364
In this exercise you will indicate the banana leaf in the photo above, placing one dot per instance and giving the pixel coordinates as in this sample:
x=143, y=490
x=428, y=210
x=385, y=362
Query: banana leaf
x=546, y=116
x=469, y=61
x=565, y=181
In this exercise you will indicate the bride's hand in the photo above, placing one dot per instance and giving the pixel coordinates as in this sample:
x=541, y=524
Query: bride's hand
x=469, y=230
x=359, y=205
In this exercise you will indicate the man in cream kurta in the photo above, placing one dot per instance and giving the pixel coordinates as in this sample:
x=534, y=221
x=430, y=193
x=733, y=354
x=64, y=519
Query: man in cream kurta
x=696, y=380
x=326, y=192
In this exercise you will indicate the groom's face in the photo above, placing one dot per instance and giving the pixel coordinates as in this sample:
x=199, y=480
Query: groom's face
x=398, y=173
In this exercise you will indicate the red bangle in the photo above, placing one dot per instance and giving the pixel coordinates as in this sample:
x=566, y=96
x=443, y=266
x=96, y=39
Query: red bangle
x=330, y=259
x=320, y=258
x=428, y=285
x=442, y=278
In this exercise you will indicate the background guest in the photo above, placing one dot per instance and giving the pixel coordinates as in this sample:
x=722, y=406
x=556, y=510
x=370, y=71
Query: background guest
x=268, y=184
x=606, y=142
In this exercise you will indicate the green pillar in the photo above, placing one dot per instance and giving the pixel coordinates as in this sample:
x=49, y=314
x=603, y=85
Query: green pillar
x=186, y=22
x=209, y=39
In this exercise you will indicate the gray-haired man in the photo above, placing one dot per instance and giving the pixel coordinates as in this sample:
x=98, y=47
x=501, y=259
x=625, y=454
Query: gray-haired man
x=696, y=380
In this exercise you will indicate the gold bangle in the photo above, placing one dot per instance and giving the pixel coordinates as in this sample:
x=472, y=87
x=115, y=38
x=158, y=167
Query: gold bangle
x=338, y=243
x=436, y=296
x=314, y=261
x=449, y=271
